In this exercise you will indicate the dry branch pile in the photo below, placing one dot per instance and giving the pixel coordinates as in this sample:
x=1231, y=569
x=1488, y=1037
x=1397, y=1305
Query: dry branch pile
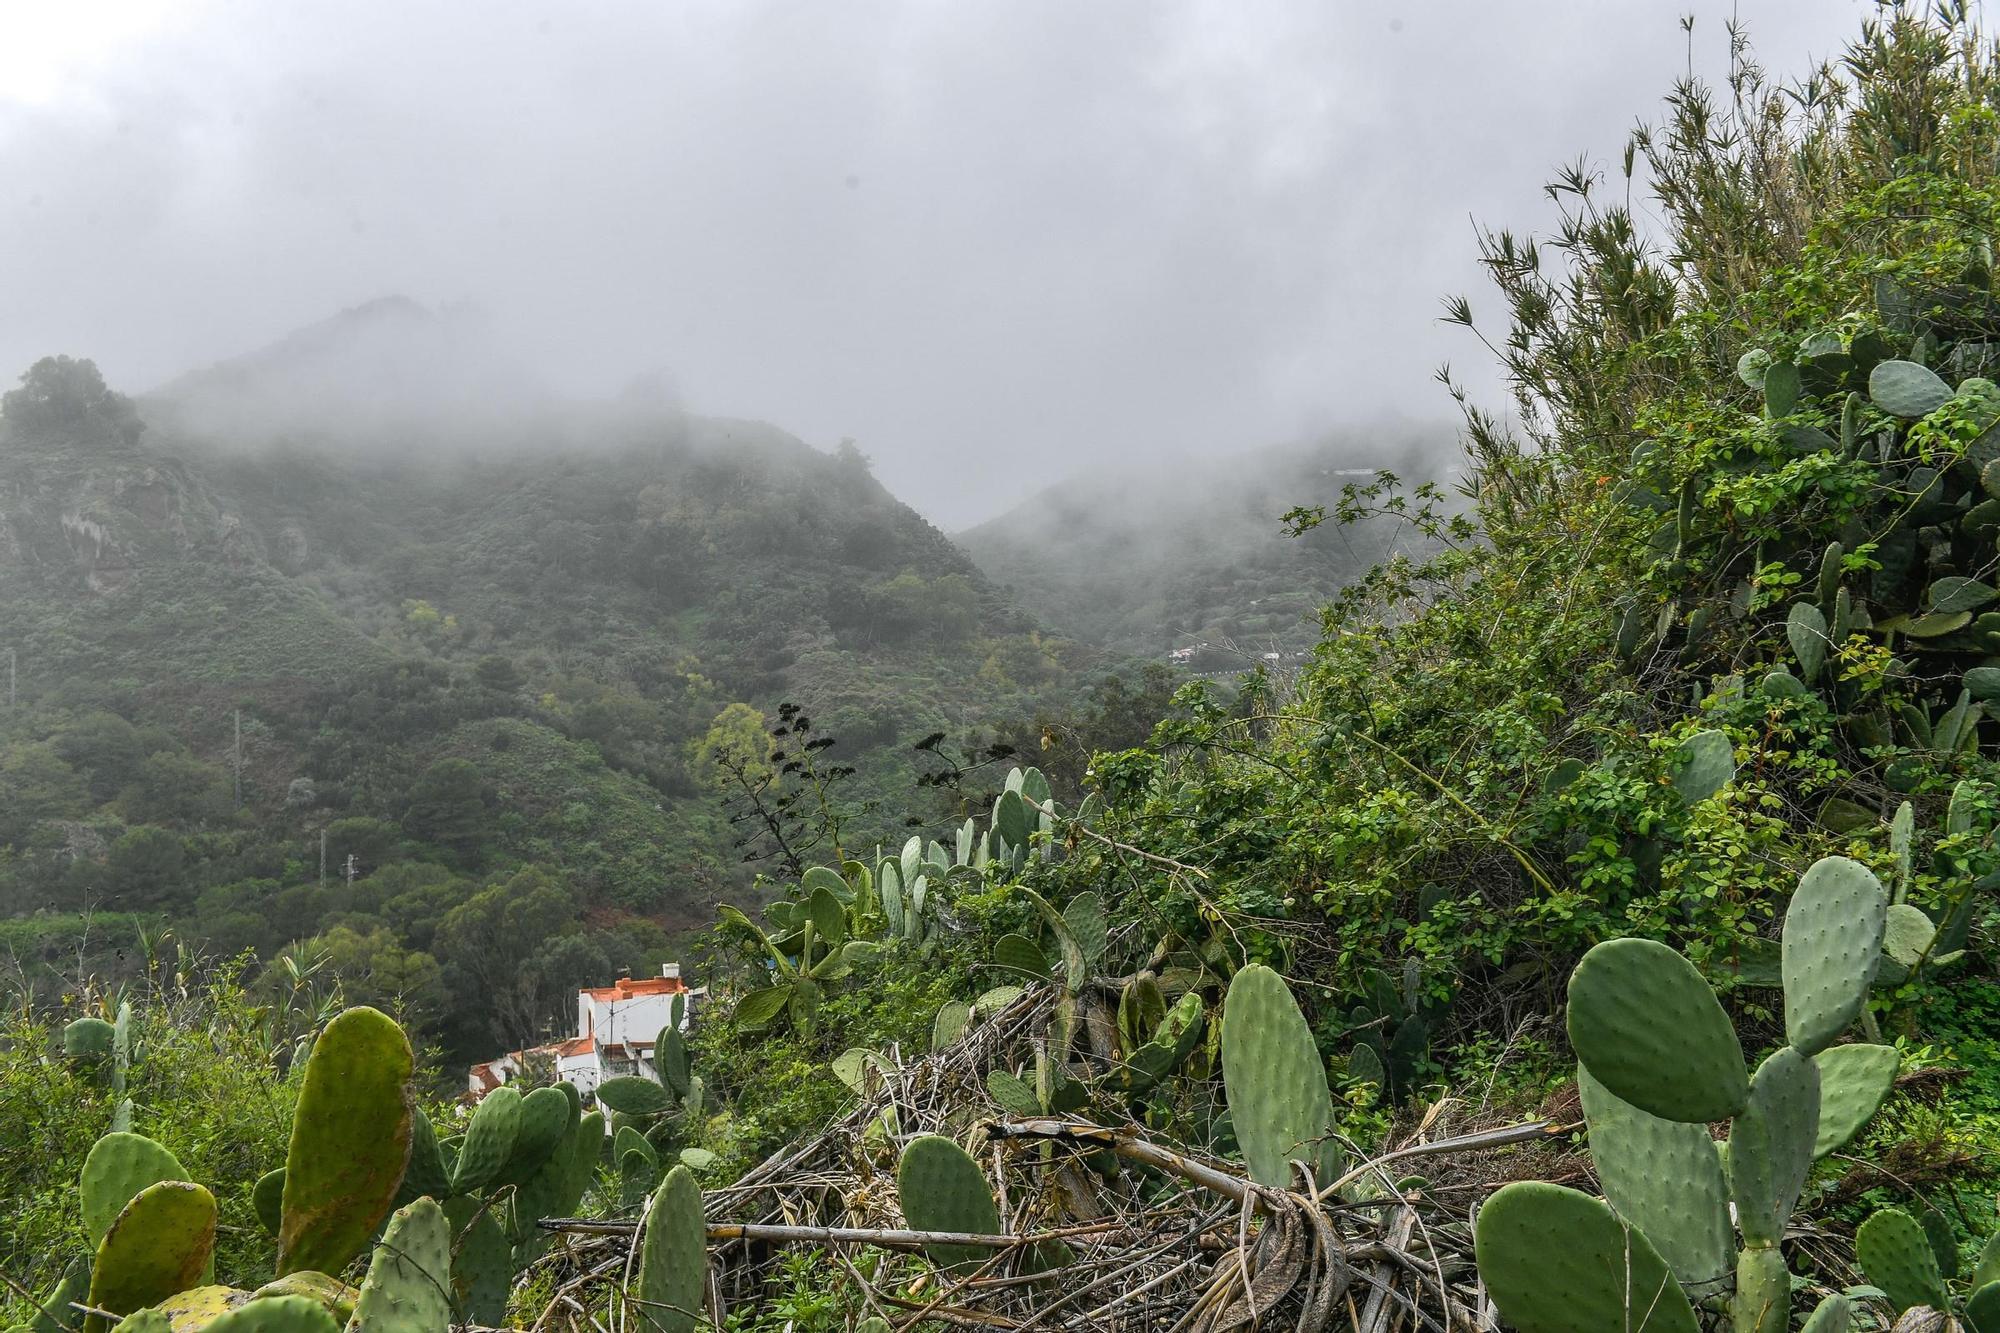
x=1103, y=1228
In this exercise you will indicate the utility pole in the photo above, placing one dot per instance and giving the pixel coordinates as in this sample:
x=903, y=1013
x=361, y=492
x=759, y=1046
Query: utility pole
x=350, y=867
x=239, y=759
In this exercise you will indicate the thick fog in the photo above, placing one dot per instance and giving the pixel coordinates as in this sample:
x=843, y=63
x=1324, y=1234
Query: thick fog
x=991, y=240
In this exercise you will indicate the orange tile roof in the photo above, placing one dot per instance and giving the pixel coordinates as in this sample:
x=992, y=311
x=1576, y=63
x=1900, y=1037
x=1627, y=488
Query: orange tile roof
x=625, y=988
x=575, y=1046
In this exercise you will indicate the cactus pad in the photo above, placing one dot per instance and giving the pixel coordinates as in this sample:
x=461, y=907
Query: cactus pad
x=1652, y=1032
x=334, y=1295
x=195, y=1309
x=1832, y=946
x=1763, y=1299
x=546, y=1117
x=267, y=1199
x=1835, y=1314
x=160, y=1244
x=1771, y=1143
x=1906, y=389
x=1276, y=1082
x=350, y=1142
x=482, y=1267
x=1556, y=1261
x=1707, y=761
x=143, y=1321
x=408, y=1287
x=118, y=1167
x=1893, y=1251
x=426, y=1173
x=629, y=1094
x=489, y=1141
x=277, y=1314
x=1853, y=1081
x=943, y=1189
x=1663, y=1177
x=1982, y=1309
x=87, y=1040
x=673, y=1257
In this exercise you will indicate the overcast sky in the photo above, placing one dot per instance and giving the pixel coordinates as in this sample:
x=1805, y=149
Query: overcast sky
x=992, y=240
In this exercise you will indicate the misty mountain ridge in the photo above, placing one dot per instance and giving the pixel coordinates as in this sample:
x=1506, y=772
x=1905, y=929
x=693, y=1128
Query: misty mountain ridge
x=370, y=378
x=1179, y=553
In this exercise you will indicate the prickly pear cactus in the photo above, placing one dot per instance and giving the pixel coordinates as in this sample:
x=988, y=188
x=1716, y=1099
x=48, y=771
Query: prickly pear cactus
x=118, y=1167
x=87, y=1040
x=1835, y=1314
x=547, y=1115
x=1556, y=1261
x=1893, y=1251
x=408, y=1287
x=1763, y=1299
x=1275, y=1079
x=277, y=1314
x=1663, y=1177
x=1832, y=946
x=195, y=1309
x=267, y=1197
x=482, y=1267
x=489, y=1141
x=350, y=1142
x=161, y=1243
x=1652, y=1032
x=1853, y=1081
x=943, y=1189
x=1771, y=1143
x=426, y=1172
x=673, y=1257
x=336, y=1296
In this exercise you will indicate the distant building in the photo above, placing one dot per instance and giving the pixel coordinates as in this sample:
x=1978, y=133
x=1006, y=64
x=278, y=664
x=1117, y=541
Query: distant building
x=616, y=1027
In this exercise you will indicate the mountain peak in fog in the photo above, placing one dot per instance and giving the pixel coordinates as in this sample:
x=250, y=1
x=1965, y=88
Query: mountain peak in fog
x=372, y=375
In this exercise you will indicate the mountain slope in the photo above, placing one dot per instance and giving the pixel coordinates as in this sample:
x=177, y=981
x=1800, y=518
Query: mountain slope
x=1149, y=558
x=490, y=658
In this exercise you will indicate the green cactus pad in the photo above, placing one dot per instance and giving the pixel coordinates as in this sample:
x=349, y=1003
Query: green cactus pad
x=87, y=1040
x=1906, y=389
x=1987, y=1268
x=1275, y=1079
x=1654, y=1034
x=267, y=1198
x=1835, y=1314
x=629, y=1139
x=631, y=1095
x=482, y=1267
x=489, y=1140
x=333, y=1295
x=1893, y=1251
x=1762, y=1302
x=1011, y=1093
x=953, y=1018
x=1908, y=936
x=408, y=1287
x=1707, y=762
x=1018, y=953
x=1771, y=1144
x=586, y=1150
x=139, y=1321
x=1663, y=1177
x=118, y=1167
x=350, y=1142
x=161, y=1243
x=673, y=1257
x=545, y=1192
x=1556, y=1261
x=1832, y=946
x=196, y=1308
x=1805, y=631
x=426, y=1173
x=546, y=1117
x=1853, y=1081
x=55, y=1314
x=943, y=1189
x=279, y=1314
x=1982, y=1309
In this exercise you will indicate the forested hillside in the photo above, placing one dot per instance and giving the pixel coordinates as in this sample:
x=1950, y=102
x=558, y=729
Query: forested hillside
x=477, y=674
x=1596, y=932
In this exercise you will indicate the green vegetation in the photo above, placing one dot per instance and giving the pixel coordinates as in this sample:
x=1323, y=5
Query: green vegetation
x=1678, y=730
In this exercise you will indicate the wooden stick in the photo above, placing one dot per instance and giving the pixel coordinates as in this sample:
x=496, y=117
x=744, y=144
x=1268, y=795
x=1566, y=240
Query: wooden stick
x=887, y=1239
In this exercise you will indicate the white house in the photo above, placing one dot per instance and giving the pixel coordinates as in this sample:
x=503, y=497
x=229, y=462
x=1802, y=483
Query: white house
x=616, y=1027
